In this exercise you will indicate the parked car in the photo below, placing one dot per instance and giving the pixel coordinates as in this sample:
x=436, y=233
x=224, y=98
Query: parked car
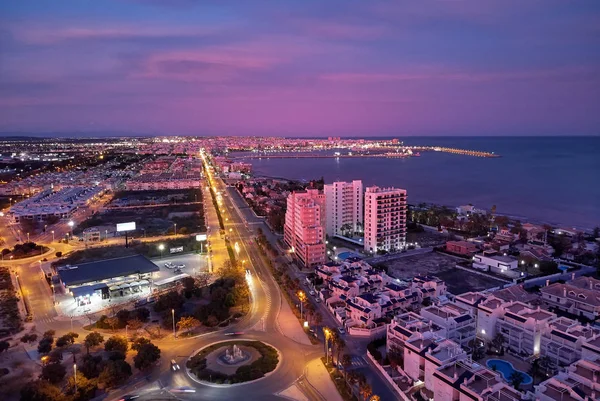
x=181, y=266
x=318, y=300
x=311, y=292
x=174, y=365
x=177, y=271
x=341, y=330
x=169, y=265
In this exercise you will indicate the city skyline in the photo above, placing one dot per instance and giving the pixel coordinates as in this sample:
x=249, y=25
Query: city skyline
x=310, y=69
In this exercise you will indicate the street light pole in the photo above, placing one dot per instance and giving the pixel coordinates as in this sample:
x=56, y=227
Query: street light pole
x=175, y=230
x=53, y=295
x=173, y=314
x=126, y=326
x=75, y=375
x=71, y=322
x=52, y=235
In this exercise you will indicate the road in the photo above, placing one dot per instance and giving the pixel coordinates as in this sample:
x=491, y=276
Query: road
x=261, y=323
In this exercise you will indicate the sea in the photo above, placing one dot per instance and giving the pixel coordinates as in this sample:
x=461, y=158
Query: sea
x=554, y=180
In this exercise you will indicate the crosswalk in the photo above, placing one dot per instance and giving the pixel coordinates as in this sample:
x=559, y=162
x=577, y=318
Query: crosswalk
x=358, y=361
x=43, y=319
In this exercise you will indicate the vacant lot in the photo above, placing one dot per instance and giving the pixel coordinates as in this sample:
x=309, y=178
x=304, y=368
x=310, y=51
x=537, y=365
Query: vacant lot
x=152, y=220
x=138, y=198
x=442, y=266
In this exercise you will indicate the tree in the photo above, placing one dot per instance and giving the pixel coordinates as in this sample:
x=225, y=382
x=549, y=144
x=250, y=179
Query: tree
x=91, y=366
x=375, y=397
x=137, y=344
x=116, y=344
x=498, y=341
x=340, y=344
x=135, y=324
x=86, y=388
x=395, y=356
x=67, y=339
x=4, y=345
x=346, y=363
x=365, y=390
x=113, y=322
x=41, y=390
x=187, y=323
x=45, y=345
x=516, y=378
x=49, y=334
x=146, y=356
x=58, y=254
x=92, y=340
x=29, y=338
x=114, y=373
x=53, y=372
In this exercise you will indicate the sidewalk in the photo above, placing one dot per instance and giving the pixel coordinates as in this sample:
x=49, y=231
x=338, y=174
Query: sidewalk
x=317, y=375
x=289, y=324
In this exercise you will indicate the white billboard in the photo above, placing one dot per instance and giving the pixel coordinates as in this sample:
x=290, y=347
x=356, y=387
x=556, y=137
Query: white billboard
x=201, y=237
x=126, y=226
x=176, y=250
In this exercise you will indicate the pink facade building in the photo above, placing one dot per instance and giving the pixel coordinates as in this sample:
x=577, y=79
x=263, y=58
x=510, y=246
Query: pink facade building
x=304, y=226
x=385, y=219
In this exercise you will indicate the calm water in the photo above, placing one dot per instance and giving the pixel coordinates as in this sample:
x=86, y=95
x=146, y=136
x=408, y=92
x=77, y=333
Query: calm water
x=548, y=179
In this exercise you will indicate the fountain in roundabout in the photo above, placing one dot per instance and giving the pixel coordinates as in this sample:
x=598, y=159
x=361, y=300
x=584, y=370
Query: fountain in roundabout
x=234, y=355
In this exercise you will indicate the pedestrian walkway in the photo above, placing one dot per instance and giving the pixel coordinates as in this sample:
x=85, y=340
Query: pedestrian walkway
x=357, y=362
x=317, y=375
x=289, y=324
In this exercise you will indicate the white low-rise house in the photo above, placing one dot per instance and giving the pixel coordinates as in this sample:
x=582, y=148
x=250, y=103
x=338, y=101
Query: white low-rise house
x=426, y=352
x=580, y=382
x=409, y=325
x=562, y=341
x=458, y=322
x=580, y=296
x=469, y=381
x=492, y=262
x=522, y=327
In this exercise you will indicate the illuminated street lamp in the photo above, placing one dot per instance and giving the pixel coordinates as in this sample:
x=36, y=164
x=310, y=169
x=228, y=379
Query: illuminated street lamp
x=71, y=224
x=175, y=230
x=161, y=248
x=53, y=294
x=237, y=248
x=327, y=333
x=28, y=237
x=75, y=375
x=173, y=314
x=52, y=235
x=302, y=299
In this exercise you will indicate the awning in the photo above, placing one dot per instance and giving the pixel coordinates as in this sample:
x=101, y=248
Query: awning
x=134, y=284
x=144, y=282
x=87, y=289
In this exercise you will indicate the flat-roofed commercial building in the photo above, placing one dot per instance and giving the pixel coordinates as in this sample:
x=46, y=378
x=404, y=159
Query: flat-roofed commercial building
x=107, y=278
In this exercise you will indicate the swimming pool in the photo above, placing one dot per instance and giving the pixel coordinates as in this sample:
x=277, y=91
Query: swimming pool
x=506, y=369
x=346, y=255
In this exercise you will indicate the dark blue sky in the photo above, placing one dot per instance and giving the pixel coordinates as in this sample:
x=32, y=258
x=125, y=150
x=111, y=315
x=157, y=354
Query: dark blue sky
x=288, y=67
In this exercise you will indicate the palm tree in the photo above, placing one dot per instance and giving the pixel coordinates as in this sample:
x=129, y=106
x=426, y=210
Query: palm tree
x=375, y=397
x=516, y=378
x=365, y=390
x=339, y=346
x=346, y=363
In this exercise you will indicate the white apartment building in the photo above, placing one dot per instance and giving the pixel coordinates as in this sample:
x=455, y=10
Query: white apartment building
x=409, y=325
x=304, y=226
x=522, y=327
x=465, y=380
x=580, y=382
x=563, y=340
x=491, y=261
x=579, y=297
x=458, y=323
x=489, y=310
x=385, y=219
x=344, y=208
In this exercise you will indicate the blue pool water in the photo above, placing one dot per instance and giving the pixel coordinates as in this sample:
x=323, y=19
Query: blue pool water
x=506, y=369
x=346, y=255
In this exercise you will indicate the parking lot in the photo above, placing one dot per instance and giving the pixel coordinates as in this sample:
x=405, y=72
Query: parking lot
x=194, y=264
x=442, y=266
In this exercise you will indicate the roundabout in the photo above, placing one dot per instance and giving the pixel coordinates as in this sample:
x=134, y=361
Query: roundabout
x=233, y=362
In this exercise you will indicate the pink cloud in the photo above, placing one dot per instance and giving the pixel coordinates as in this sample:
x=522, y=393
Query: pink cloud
x=340, y=30
x=54, y=34
x=436, y=73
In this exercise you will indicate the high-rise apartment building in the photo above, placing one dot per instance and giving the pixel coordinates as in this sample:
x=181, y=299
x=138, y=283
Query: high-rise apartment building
x=304, y=226
x=385, y=219
x=344, y=207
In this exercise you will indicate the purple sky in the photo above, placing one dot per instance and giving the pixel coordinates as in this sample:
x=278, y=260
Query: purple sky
x=310, y=67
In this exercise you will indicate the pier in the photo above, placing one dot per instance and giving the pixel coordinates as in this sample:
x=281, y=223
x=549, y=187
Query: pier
x=404, y=151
